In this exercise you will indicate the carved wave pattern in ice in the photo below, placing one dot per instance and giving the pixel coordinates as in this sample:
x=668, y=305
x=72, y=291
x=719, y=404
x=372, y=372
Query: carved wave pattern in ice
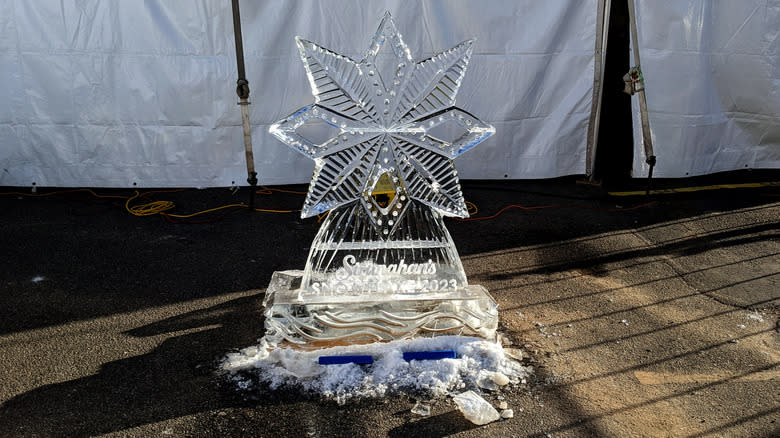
x=353, y=324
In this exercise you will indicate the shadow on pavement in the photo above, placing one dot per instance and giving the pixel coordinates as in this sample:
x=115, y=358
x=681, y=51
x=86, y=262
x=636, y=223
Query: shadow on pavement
x=175, y=379
x=179, y=378
x=112, y=263
x=434, y=426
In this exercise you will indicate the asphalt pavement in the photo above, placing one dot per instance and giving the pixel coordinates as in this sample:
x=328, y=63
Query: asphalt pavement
x=641, y=315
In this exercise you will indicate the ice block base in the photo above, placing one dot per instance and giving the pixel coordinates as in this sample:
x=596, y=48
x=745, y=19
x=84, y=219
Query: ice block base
x=294, y=317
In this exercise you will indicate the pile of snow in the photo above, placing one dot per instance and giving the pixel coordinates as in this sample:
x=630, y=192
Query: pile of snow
x=478, y=364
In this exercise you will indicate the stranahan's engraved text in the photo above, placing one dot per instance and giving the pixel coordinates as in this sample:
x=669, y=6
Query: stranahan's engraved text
x=367, y=276
x=351, y=268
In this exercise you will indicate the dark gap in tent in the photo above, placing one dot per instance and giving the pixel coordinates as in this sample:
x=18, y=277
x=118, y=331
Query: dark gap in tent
x=615, y=151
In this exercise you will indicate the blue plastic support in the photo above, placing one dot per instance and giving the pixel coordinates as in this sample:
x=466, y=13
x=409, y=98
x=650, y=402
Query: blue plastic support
x=429, y=355
x=337, y=360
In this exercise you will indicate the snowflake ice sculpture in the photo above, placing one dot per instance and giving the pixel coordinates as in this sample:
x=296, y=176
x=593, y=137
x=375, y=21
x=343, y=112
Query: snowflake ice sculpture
x=383, y=125
x=383, y=172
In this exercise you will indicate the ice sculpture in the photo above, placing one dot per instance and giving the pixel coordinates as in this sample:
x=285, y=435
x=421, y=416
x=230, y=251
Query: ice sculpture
x=382, y=266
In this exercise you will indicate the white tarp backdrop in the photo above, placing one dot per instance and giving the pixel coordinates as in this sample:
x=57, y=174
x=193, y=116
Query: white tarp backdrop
x=712, y=75
x=111, y=93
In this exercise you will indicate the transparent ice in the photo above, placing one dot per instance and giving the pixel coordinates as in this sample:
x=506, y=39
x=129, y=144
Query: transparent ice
x=475, y=408
x=383, y=132
x=421, y=409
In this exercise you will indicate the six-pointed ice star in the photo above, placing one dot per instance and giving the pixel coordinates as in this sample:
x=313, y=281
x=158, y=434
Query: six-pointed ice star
x=383, y=125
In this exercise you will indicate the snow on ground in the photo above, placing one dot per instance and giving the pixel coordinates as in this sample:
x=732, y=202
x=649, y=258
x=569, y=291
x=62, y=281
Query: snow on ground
x=478, y=364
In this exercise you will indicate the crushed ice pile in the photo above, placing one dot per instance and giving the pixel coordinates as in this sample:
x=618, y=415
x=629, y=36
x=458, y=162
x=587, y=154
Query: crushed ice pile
x=478, y=364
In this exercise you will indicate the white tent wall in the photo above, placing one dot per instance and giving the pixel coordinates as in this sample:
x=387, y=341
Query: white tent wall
x=112, y=93
x=712, y=78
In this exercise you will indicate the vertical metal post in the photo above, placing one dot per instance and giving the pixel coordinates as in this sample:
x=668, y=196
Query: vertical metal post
x=600, y=51
x=647, y=139
x=242, y=90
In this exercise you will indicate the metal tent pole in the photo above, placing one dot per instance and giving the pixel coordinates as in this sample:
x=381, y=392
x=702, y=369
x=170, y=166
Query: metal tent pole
x=600, y=51
x=242, y=89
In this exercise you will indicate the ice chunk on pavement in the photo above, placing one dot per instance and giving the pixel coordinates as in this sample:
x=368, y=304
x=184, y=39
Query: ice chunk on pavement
x=475, y=408
x=500, y=379
x=507, y=413
x=485, y=380
x=491, y=380
x=421, y=409
x=513, y=353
